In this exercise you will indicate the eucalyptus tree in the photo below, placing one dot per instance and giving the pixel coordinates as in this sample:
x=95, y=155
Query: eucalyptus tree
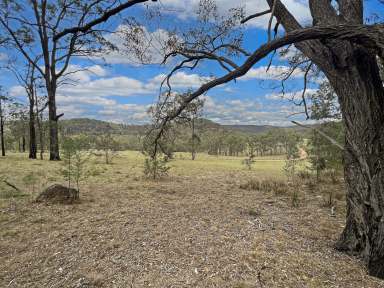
x=28, y=79
x=59, y=30
x=345, y=49
x=3, y=99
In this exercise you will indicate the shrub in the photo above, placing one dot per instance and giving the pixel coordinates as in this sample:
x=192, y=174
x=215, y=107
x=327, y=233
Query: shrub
x=74, y=162
x=295, y=200
x=266, y=185
x=156, y=167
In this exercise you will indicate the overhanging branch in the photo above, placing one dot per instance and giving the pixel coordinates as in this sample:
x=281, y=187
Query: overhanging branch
x=369, y=36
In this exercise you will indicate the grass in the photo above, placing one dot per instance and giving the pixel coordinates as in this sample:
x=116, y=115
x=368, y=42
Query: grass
x=211, y=223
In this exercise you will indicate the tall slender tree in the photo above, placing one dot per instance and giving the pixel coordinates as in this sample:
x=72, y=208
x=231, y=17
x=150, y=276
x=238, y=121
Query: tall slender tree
x=59, y=30
x=3, y=98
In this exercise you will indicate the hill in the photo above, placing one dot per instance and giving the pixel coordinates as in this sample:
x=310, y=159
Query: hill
x=96, y=127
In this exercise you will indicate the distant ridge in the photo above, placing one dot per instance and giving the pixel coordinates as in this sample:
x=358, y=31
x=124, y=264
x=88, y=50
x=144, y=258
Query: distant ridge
x=92, y=126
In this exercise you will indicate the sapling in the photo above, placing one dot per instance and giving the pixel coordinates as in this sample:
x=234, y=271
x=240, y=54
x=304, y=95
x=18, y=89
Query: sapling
x=74, y=162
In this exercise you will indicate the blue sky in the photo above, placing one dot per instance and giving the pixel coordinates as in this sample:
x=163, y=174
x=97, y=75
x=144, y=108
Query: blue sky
x=121, y=91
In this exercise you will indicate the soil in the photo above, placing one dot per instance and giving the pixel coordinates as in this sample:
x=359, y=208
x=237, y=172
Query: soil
x=58, y=194
x=197, y=231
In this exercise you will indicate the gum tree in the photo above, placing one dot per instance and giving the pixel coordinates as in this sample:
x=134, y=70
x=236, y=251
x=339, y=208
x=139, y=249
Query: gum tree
x=59, y=30
x=346, y=50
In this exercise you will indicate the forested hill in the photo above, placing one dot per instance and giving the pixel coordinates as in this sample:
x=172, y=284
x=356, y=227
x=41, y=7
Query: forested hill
x=96, y=127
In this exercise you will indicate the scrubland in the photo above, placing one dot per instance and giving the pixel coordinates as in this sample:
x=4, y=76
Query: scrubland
x=210, y=223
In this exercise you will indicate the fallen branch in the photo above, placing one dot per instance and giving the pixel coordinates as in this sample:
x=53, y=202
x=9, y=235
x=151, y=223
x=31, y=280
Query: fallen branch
x=11, y=185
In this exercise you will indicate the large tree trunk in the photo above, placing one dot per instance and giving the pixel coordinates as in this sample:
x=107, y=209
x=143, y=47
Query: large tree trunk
x=23, y=143
x=361, y=96
x=2, y=130
x=32, y=131
x=39, y=120
x=193, y=150
x=53, y=127
x=2, y=136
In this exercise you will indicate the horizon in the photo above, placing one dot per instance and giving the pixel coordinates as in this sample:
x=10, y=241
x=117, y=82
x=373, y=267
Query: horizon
x=117, y=89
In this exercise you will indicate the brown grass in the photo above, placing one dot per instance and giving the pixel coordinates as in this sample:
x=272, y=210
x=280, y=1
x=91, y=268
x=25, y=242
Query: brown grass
x=193, y=229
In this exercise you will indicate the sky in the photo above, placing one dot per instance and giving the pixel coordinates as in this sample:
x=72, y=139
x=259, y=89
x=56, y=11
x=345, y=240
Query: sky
x=120, y=90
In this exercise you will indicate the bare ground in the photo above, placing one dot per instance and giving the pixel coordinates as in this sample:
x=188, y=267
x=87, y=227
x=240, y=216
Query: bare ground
x=196, y=231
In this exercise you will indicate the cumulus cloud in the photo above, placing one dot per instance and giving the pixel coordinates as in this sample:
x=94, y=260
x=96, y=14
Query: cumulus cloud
x=247, y=112
x=274, y=73
x=77, y=73
x=180, y=80
x=154, y=46
x=3, y=57
x=295, y=95
x=182, y=8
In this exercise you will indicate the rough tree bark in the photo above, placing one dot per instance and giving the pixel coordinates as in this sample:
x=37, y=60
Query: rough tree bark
x=354, y=74
x=2, y=129
x=53, y=126
x=361, y=97
x=347, y=56
x=193, y=150
x=32, y=131
x=39, y=121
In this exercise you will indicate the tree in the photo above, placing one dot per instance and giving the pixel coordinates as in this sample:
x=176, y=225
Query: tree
x=40, y=105
x=28, y=79
x=74, y=164
x=345, y=50
x=18, y=122
x=108, y=145
x=3, y=99
x=324, y=154
x=58, y=30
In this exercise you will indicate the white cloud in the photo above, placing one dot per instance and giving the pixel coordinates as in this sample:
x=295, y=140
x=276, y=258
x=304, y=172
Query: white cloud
x=17, y=91
x=155, y=47
x=183, y=8
x=180, y=80
x=78, y=73
x=3, y=57
x=274, y=73
x=296, y=95
x=249, y=112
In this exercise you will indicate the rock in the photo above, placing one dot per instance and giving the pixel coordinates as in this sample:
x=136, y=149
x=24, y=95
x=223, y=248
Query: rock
x=58, y=194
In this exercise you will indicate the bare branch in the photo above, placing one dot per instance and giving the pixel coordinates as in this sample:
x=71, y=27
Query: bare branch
x=255, y=16
x=99, y=20
x=370, y=36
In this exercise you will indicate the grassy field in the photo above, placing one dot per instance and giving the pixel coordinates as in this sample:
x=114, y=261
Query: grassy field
x=210, y=223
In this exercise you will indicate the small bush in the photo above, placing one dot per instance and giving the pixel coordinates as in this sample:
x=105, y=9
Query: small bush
x=156, y=167
x=253, y=213
x=295, y=199
x=266, y=185
x=303, y=175
x=331, y=175
x=30, y=180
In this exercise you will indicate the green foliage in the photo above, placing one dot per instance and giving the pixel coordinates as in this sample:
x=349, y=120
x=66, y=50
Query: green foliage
x=295, y=199
x=156, y=167
x=250, y=152
x=74, y=162
x=30, y=180
x=292, y=155
x=324, y=103
x=323, y=155
x=108, y=145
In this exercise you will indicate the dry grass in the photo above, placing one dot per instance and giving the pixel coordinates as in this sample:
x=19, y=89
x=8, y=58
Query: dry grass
x=197, y=228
